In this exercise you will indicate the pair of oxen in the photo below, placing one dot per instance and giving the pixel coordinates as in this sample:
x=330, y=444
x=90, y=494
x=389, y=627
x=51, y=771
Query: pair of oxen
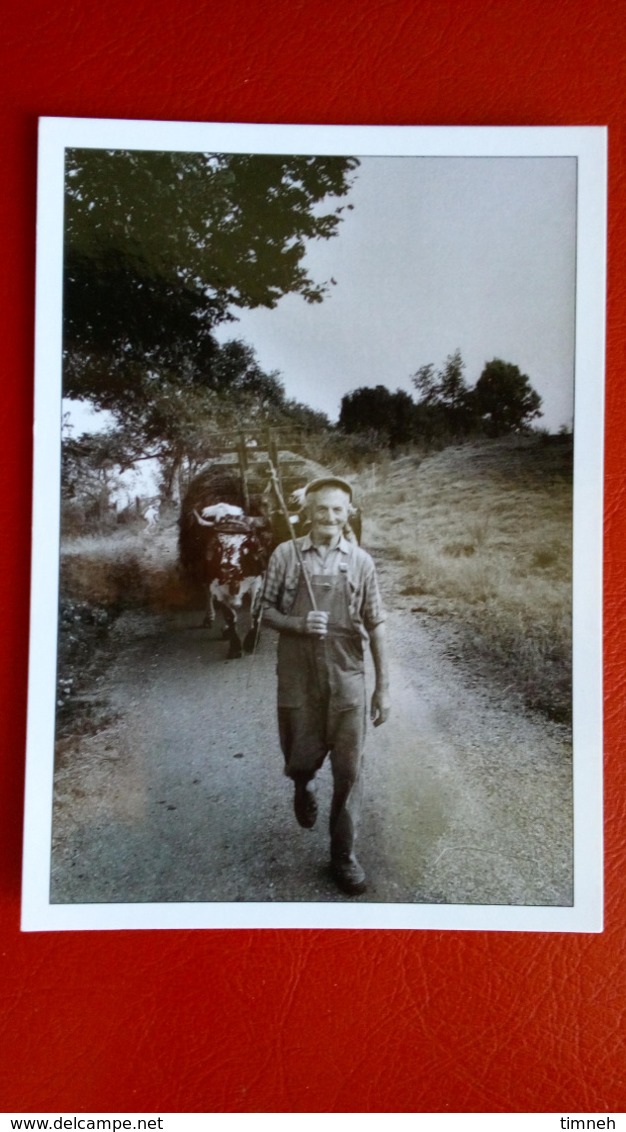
x=224, y=548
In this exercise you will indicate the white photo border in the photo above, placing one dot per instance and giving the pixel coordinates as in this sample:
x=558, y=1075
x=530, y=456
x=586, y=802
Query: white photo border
x=589, y=146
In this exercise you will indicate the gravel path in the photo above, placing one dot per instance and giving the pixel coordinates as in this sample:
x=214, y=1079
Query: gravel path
x=180, y=796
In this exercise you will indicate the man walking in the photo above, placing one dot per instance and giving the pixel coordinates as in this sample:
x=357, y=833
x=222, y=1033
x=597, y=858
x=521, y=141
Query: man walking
x=322, y=596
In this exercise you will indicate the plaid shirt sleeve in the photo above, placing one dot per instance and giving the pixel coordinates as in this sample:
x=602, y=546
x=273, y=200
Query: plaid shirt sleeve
x=372, y=612
x=275, y=577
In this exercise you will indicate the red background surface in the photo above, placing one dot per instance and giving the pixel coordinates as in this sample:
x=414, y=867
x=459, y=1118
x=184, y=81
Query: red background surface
x=303, y=1021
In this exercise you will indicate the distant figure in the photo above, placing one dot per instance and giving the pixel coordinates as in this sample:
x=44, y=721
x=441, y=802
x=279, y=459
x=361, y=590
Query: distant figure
x=151, y=515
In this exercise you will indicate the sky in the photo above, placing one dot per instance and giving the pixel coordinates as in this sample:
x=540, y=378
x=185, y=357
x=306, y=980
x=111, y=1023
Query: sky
x=437, y=254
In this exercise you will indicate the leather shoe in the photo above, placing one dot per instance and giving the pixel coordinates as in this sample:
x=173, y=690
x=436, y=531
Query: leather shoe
x=348, y=875
x=305, y=804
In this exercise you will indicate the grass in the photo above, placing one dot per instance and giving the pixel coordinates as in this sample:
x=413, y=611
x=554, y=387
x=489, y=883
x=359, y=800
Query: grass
x=124, y=569
x=483, y=534
x=103, y=574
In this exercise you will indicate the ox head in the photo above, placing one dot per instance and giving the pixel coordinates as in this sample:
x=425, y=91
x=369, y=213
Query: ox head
x=232, y=547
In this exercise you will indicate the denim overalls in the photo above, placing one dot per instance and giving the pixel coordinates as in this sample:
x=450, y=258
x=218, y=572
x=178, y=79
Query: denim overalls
x=321, y=700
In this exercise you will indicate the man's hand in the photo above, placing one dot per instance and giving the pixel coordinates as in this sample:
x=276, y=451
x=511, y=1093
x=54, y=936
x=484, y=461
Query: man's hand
x=381, y=706
x=316, y=623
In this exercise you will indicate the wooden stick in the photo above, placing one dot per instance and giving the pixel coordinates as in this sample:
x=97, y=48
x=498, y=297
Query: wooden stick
x=243, y=471
x=283, y=507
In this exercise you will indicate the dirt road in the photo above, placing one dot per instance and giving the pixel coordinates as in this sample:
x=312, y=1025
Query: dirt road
x=181, y=797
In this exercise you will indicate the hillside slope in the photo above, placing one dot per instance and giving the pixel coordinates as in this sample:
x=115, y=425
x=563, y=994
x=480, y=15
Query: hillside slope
x=481, y=535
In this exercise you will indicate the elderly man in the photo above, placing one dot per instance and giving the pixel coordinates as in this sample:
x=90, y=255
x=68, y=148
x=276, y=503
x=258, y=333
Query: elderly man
x=322, y=596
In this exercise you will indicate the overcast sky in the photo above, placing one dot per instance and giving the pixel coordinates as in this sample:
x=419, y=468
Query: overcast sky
x=438, y=253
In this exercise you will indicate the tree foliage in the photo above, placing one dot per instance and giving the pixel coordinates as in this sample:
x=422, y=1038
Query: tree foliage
x=87, y=464
x=379, y=411
x=184, y=427
x=444, y=400
x=162, y=247
x=447, y=408
x=444, y=387
x=504, y=400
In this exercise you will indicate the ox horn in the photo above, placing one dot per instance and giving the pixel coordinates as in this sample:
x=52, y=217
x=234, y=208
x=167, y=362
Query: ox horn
x=204, y=522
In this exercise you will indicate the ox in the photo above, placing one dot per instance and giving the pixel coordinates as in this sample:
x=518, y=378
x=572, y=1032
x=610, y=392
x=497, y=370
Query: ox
x=230, y=557
x=235, y=564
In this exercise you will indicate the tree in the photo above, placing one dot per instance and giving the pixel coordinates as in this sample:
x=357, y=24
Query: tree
x=426, y=381
x=162, y=247
x=90, y=466
x=444, y=402
x=452, y=387
x=183, y=427
x=379, y=411
x=504, y=400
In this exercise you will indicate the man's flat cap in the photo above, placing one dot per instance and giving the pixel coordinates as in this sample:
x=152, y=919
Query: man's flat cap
x=328, y=481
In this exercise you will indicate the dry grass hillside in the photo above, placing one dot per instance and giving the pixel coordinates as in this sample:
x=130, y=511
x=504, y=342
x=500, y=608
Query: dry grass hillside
x=482, y=534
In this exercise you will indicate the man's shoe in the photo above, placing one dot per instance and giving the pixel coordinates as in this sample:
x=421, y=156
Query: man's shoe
x=305, y=804
x=348, y=875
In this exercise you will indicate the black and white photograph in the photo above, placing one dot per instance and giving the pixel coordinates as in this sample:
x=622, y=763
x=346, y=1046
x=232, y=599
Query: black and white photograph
x=316, y=590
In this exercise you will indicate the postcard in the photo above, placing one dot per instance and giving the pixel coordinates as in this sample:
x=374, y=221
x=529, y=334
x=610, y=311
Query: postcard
x=316, y=631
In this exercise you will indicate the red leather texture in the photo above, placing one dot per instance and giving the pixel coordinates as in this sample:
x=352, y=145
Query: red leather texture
x=304, y=1021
